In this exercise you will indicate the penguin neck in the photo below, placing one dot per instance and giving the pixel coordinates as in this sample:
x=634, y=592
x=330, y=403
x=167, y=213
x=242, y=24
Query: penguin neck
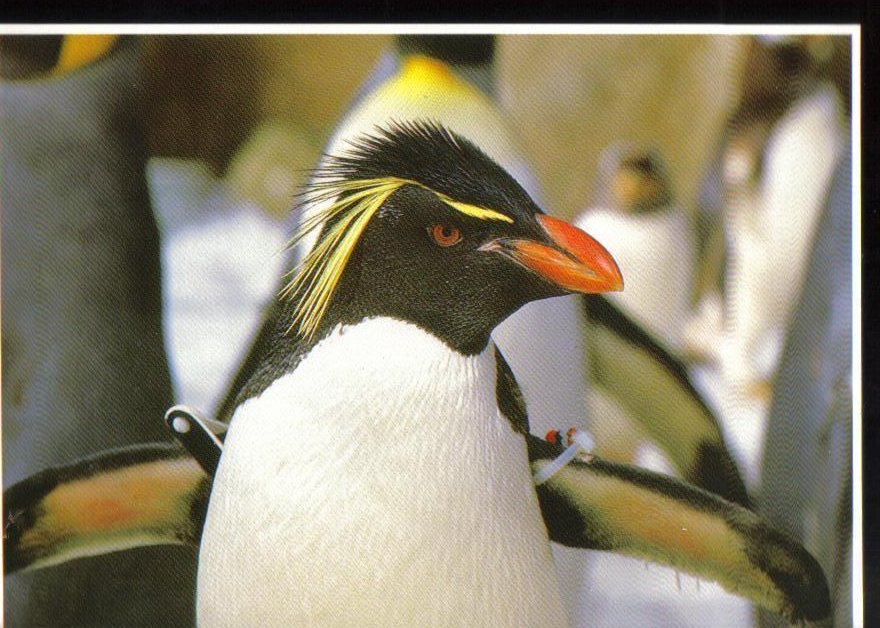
x=375, y=354
x=454, y=328
x=279, y=350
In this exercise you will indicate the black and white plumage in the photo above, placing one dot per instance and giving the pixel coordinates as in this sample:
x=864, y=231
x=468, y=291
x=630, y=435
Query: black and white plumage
x=399, y=362
x=451, y=80
x=641, y=390
x=776, y=163
x=378, y=469
x=546, y=342
x=543, y=340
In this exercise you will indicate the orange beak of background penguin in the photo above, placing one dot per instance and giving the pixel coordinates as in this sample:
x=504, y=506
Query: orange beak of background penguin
x=576, y=262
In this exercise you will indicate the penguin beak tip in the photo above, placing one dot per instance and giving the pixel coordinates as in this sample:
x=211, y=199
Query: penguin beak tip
x=573, y=260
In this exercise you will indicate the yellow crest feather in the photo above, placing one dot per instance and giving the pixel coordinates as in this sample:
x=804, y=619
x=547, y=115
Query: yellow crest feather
x=474, y=211
x=319, y=273
x=356, y=202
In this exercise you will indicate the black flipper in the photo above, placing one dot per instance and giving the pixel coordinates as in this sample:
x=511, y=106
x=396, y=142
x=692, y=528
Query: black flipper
x=654, y=388
x=256, y=352
x=596, y=504
x=125, y=498
x=509, y=396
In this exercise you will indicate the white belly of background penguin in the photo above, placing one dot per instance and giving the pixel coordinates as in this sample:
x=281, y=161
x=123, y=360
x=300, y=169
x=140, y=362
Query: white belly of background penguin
x=377, y=484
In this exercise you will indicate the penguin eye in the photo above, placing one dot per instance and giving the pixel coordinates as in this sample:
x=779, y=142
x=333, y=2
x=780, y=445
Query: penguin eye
x=445, y=235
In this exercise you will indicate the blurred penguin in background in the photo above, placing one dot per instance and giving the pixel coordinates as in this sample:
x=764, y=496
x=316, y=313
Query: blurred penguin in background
x=84, y=365
x=811, y=411
x=774, y=169
x=643, y=406
x=775, y=278
x=806, y=481
x=634, y=212
x=641, y=392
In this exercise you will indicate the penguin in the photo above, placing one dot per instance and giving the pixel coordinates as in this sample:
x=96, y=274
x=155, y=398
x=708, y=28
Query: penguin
x=643, y=406
x=84, y=367
x=378, y=468
x=638, y=331
x=810, y=423
x=776, y=164
x=770, y=224
x=546, y=343
x=403, y=341
x=450, y=79
x=813, y=408
x=635, y=214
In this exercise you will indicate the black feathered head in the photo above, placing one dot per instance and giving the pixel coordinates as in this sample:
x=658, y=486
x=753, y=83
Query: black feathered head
x=427, y=213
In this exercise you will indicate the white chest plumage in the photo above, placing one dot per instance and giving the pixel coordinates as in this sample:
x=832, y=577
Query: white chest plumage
x=378, y=484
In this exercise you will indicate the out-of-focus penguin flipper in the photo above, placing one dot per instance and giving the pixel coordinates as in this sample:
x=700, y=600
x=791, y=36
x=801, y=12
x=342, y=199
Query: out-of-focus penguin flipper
x=653, y=386
x=596, y=504
x=121, y=499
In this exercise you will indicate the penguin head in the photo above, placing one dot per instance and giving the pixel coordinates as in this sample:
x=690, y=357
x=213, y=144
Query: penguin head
x=633, y=179
x=420, y=225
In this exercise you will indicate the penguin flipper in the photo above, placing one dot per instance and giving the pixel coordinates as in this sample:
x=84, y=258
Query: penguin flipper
x=654, y=388
x=247, y=367
x=596, y=504
x=135, y=496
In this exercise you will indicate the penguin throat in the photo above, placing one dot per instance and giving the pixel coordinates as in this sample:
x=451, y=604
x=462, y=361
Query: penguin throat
x=461, y=331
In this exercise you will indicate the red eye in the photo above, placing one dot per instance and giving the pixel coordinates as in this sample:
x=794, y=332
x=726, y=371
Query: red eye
x=445, y=235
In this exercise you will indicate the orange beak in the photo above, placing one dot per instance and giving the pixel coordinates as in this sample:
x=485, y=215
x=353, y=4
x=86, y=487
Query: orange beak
x=576, y=262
